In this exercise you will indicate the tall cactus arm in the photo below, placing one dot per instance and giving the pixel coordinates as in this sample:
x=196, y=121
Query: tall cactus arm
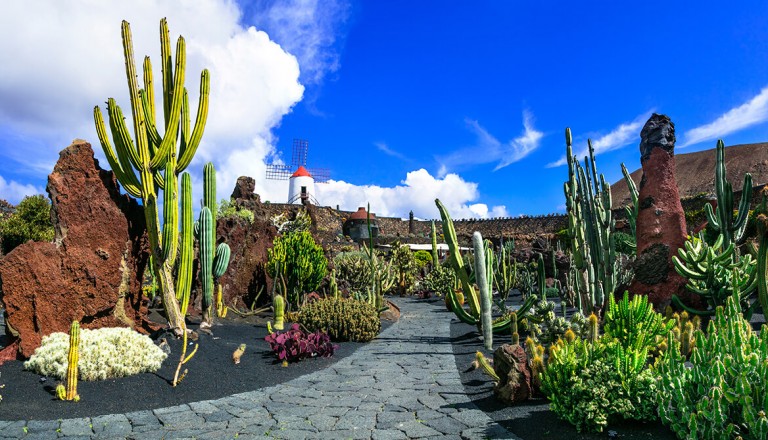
x=170, y=215
x=142, y=143
x=455, y=258
x=186, y=251
x=172, y=126
x=149, y=89
x=126, y=151
x=125, y=176
x=189, y=146
x=743, y=216
x=221, y=261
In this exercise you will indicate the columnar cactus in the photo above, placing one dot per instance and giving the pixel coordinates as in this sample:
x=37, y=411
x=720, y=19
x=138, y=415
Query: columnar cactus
x=186, y=247
x=722, y=221
x=278, y=303
x=513, y=328
x=68, y=391
x=590, y=226
x=435, y=257
x=485, y=290
x=456, y=261
x=153, y=156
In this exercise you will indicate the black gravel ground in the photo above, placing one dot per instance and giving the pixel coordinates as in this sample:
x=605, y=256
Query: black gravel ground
x=212, y=374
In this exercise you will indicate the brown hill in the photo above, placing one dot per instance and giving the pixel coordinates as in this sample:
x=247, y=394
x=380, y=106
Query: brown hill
x=695, y=172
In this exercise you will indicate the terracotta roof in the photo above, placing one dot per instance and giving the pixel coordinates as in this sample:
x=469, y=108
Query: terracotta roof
x=301, y=172
x=695, y=172
x=361, y=214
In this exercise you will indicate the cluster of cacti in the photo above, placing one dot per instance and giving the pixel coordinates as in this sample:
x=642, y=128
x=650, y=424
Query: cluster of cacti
x=380, y=270
x=722, y=391
x=105, y=353
x=546, y=327
x=154, y=156
x=299, y=261
x=405, y=265
x=471, y=296
x=635, y=322
x=68, y=391
x=343, y=319
x=353, y=270
x=505, y=274
x=590, y=225
x=714, y=273
x=214, y=260
x=683, y=330
x=723, y=221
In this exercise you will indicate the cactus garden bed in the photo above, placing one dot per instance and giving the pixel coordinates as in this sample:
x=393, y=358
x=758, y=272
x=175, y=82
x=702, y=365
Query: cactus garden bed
x=533, y=418
x=212, y=375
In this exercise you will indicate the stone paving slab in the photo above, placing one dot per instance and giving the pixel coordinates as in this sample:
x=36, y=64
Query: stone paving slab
x=402, y=385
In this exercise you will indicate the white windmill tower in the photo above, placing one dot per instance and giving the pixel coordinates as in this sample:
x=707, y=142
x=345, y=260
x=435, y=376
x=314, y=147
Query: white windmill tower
x=301, y=180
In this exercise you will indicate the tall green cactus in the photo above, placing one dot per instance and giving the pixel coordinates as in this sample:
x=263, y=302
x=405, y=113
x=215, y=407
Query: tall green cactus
x=485, y=289
x=435, y=258
x=632, y=210
x=454, y=256
x=68, y=391
x=762, y=253
x=153, y=156
x=590, y=226
x=722, y=221
x=214, y=260
x=187, y=245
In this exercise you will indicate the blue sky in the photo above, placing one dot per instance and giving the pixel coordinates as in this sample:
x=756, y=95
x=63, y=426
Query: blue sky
x=403, y=101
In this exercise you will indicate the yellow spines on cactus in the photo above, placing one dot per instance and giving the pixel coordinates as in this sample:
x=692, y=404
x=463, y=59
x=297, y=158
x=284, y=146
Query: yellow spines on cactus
x=72, y=359
x=569, y=335
x=486, y=366
x=279, y=305
x=594, y=328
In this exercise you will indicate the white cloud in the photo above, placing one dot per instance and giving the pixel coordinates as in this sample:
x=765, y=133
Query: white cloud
x=489, y=149
x=750, y=113
x=619, y=137
x=417, y=192
x=12, y=191
x=72, y=59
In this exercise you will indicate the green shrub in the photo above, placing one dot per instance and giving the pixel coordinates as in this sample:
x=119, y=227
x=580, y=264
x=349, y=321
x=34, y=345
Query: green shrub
x=625, y=243
x=422, y=258
x=300, y=262
x=725, y=392
x=31, y=221
x=105, y=353
x=343, y=319
x=229, y=209
x=585, y=387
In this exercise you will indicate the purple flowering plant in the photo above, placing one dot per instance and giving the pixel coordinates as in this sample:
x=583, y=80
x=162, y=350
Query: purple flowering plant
x=296, y=344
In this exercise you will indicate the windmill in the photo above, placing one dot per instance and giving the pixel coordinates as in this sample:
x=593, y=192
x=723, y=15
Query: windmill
x=301, y=188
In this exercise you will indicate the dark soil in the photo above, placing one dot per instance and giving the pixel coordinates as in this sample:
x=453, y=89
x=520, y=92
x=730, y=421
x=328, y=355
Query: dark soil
x=212, y=375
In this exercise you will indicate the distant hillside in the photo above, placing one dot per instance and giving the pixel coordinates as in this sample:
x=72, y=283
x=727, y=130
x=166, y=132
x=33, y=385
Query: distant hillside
x=695, y=172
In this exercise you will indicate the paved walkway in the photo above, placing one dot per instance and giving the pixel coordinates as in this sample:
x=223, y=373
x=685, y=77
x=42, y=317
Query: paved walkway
x=402, y=385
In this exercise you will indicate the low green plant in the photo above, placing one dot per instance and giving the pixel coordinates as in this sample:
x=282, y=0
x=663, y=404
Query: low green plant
x=723, y=394
x=31, y=221
x=300, y=223
x=228, y=209
x=634, y=324
x=625, y=243
x=353, y=270
x=344, y=319
x=105, y=353
x=439, y=280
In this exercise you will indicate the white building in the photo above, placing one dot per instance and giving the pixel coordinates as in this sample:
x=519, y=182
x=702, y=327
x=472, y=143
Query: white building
x=301, y=187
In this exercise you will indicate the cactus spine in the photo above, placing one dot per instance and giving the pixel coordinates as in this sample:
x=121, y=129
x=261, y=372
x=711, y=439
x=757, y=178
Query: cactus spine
x=154, y=156
x=722, y=221
x=68, y=391
x=485, y=291
x=590, y=226
x=279, y=304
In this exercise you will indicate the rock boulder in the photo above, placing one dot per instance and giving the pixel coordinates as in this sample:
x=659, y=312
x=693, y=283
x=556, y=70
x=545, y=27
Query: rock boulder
x=92, y=271
x=510, y=362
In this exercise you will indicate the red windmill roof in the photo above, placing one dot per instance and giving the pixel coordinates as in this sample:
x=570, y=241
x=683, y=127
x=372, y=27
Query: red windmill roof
x=301, y=172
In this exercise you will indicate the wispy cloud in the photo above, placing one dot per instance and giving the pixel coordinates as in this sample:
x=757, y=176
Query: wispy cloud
x=13, y=191
x=620, y=136
x=384, y=148
x=489, y=149
x=750, y=113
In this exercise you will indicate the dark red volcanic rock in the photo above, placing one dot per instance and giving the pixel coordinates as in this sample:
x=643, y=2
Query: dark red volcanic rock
x=516, y=379
x=661, y=228
x=92, y=271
